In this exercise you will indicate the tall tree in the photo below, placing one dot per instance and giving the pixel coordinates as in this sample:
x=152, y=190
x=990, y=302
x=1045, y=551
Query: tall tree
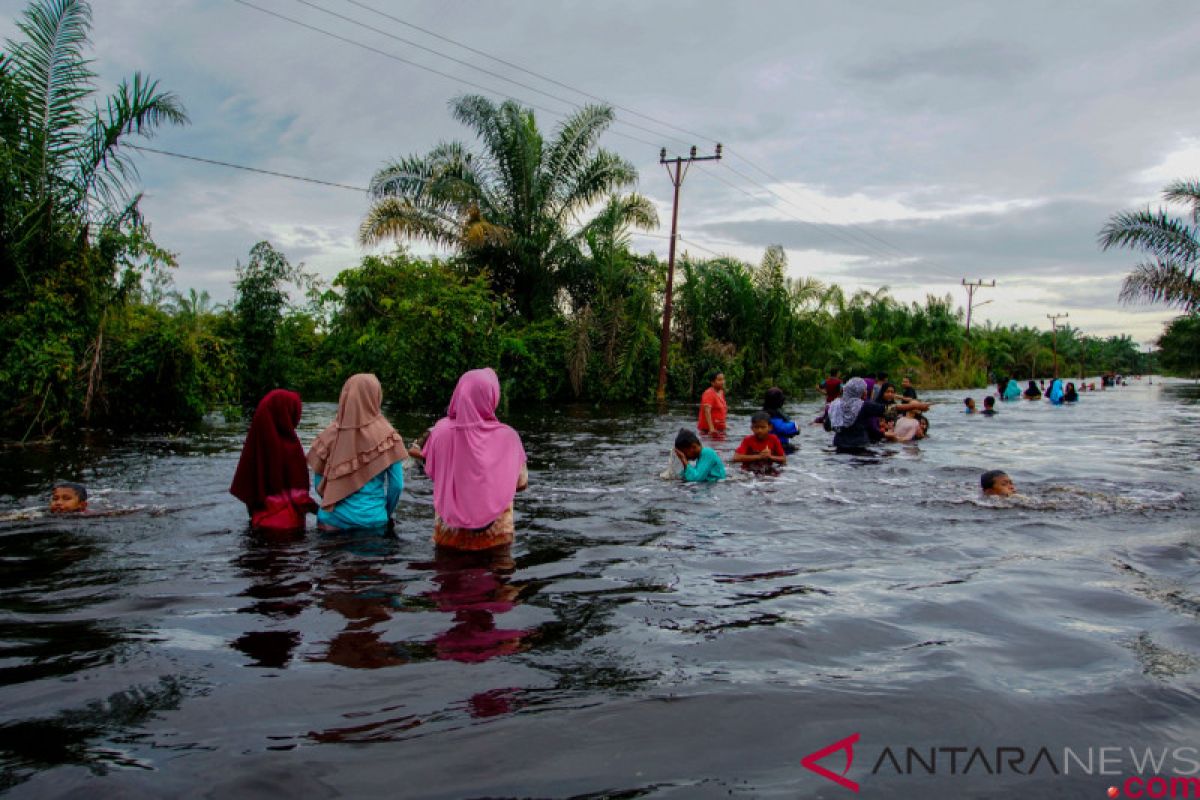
x=511, y=207
x=71, y=237
x=1172, y=245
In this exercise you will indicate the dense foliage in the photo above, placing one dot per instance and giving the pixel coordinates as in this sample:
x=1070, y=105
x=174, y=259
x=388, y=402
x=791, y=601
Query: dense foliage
x=72, y=243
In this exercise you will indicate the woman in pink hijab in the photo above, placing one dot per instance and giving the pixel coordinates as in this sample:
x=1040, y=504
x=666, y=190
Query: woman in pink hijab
x=477, y=464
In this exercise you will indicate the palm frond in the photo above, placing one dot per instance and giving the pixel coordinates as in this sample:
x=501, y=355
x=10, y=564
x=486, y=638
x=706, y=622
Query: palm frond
x=604, y=173
x=1156, y=232
x=1162, y=282
x=1186, y=192
x=573, y=144
x=55, y=79
x=136, y=108
x=399, y=218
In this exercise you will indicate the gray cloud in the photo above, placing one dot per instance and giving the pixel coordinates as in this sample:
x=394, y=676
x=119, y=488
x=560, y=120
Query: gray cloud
x=987, y=60
x=941, y=105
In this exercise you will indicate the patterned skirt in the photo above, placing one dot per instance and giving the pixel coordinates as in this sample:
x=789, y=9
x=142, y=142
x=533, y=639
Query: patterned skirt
x=498, y=533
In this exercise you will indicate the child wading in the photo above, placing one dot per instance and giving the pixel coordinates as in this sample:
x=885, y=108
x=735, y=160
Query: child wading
x=761, y=450
x=68, y=498
x=708, y=466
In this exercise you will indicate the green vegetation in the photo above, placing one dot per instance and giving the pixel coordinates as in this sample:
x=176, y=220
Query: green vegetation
x=542, y=283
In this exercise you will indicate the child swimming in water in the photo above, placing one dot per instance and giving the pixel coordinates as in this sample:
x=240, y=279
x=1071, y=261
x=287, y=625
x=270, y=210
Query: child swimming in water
x=969, y=402
x=708, y=466
x=68, y=498
x=761, y=448
x=989, y=406
x=996, y=483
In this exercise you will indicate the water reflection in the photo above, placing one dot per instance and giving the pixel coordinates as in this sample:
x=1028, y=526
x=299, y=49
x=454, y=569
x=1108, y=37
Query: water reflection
x=474, y=587
x=277, y=565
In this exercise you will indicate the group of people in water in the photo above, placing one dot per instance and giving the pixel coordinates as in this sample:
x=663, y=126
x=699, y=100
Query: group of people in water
x=476, y=463
x=859, y=413
x=352, y=475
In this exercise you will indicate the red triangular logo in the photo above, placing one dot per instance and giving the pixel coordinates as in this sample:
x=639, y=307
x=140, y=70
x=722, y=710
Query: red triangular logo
x=847, y=744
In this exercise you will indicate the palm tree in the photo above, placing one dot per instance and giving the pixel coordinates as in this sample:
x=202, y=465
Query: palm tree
x=66, y=212
x=508, y=208
x=1172, y=244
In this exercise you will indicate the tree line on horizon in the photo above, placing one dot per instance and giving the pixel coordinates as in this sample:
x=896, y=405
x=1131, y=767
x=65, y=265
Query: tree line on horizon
x=542, y=284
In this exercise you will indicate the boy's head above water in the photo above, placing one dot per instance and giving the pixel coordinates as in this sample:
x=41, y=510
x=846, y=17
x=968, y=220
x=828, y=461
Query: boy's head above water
x=688, y=443
x=996, y=483
x=68, y=497
x=969, y=402
x=760, y=425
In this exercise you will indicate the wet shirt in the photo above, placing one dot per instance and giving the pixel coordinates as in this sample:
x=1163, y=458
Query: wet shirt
x=751, y=445
x=369, y=507
x=708, y=467
x=784, y=429
x=712, y=397
x=856, y=435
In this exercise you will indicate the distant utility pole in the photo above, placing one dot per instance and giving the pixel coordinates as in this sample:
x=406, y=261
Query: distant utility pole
x=971, y=287
x=681, y=167
x=1054, y=318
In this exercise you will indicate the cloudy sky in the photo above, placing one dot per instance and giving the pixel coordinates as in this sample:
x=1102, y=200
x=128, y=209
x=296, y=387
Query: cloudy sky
x=907, y=145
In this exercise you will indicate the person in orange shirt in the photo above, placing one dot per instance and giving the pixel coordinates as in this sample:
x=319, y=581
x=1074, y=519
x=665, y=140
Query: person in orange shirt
x=712, y=406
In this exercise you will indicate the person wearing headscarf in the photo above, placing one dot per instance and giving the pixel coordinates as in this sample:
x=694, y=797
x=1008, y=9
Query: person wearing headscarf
x=1070, y=395
x=850, y=416
x=1033, y=392
x=271, y=476
x=783, y=428
x=1012, y=391
x=1055, y=395
x=357, y=461
x=477, y=465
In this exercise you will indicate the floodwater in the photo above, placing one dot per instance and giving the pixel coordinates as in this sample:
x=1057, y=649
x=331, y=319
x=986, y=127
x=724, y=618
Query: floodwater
x=644, y=638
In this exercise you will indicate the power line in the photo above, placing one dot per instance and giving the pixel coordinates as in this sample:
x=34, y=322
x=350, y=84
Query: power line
x=247, y=169
x=467, y=64
x=420, y=66
x=547, y=78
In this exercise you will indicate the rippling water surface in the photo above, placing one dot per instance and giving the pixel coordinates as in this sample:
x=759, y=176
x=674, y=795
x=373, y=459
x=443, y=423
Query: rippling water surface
x=644, y=638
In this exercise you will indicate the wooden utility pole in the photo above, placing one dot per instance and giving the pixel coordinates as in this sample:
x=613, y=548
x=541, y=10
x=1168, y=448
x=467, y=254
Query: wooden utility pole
x=971, y=287
x=680, y=172
x=1054, y=318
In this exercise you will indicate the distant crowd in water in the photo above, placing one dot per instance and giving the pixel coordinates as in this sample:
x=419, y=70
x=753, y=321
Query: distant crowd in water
x=860, y=412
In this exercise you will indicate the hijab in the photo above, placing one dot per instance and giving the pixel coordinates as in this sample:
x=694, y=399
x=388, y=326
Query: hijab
x=880, y=390
x=1012, y=391
x=1070, y=395
x=272, y=458
x=1033, y=390
x=358, y=445
x=1056, y=392
x=844, y=411
x=474, y=459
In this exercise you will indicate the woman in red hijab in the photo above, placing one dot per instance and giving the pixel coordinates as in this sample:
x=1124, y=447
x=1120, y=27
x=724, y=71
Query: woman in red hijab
x=272, y=475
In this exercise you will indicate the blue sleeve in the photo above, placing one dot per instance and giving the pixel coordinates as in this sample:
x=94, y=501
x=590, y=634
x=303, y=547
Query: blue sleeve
x=784, y=428
x=395, y=485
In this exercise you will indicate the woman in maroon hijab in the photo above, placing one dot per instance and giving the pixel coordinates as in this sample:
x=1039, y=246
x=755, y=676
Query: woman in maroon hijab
x=272, y=474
